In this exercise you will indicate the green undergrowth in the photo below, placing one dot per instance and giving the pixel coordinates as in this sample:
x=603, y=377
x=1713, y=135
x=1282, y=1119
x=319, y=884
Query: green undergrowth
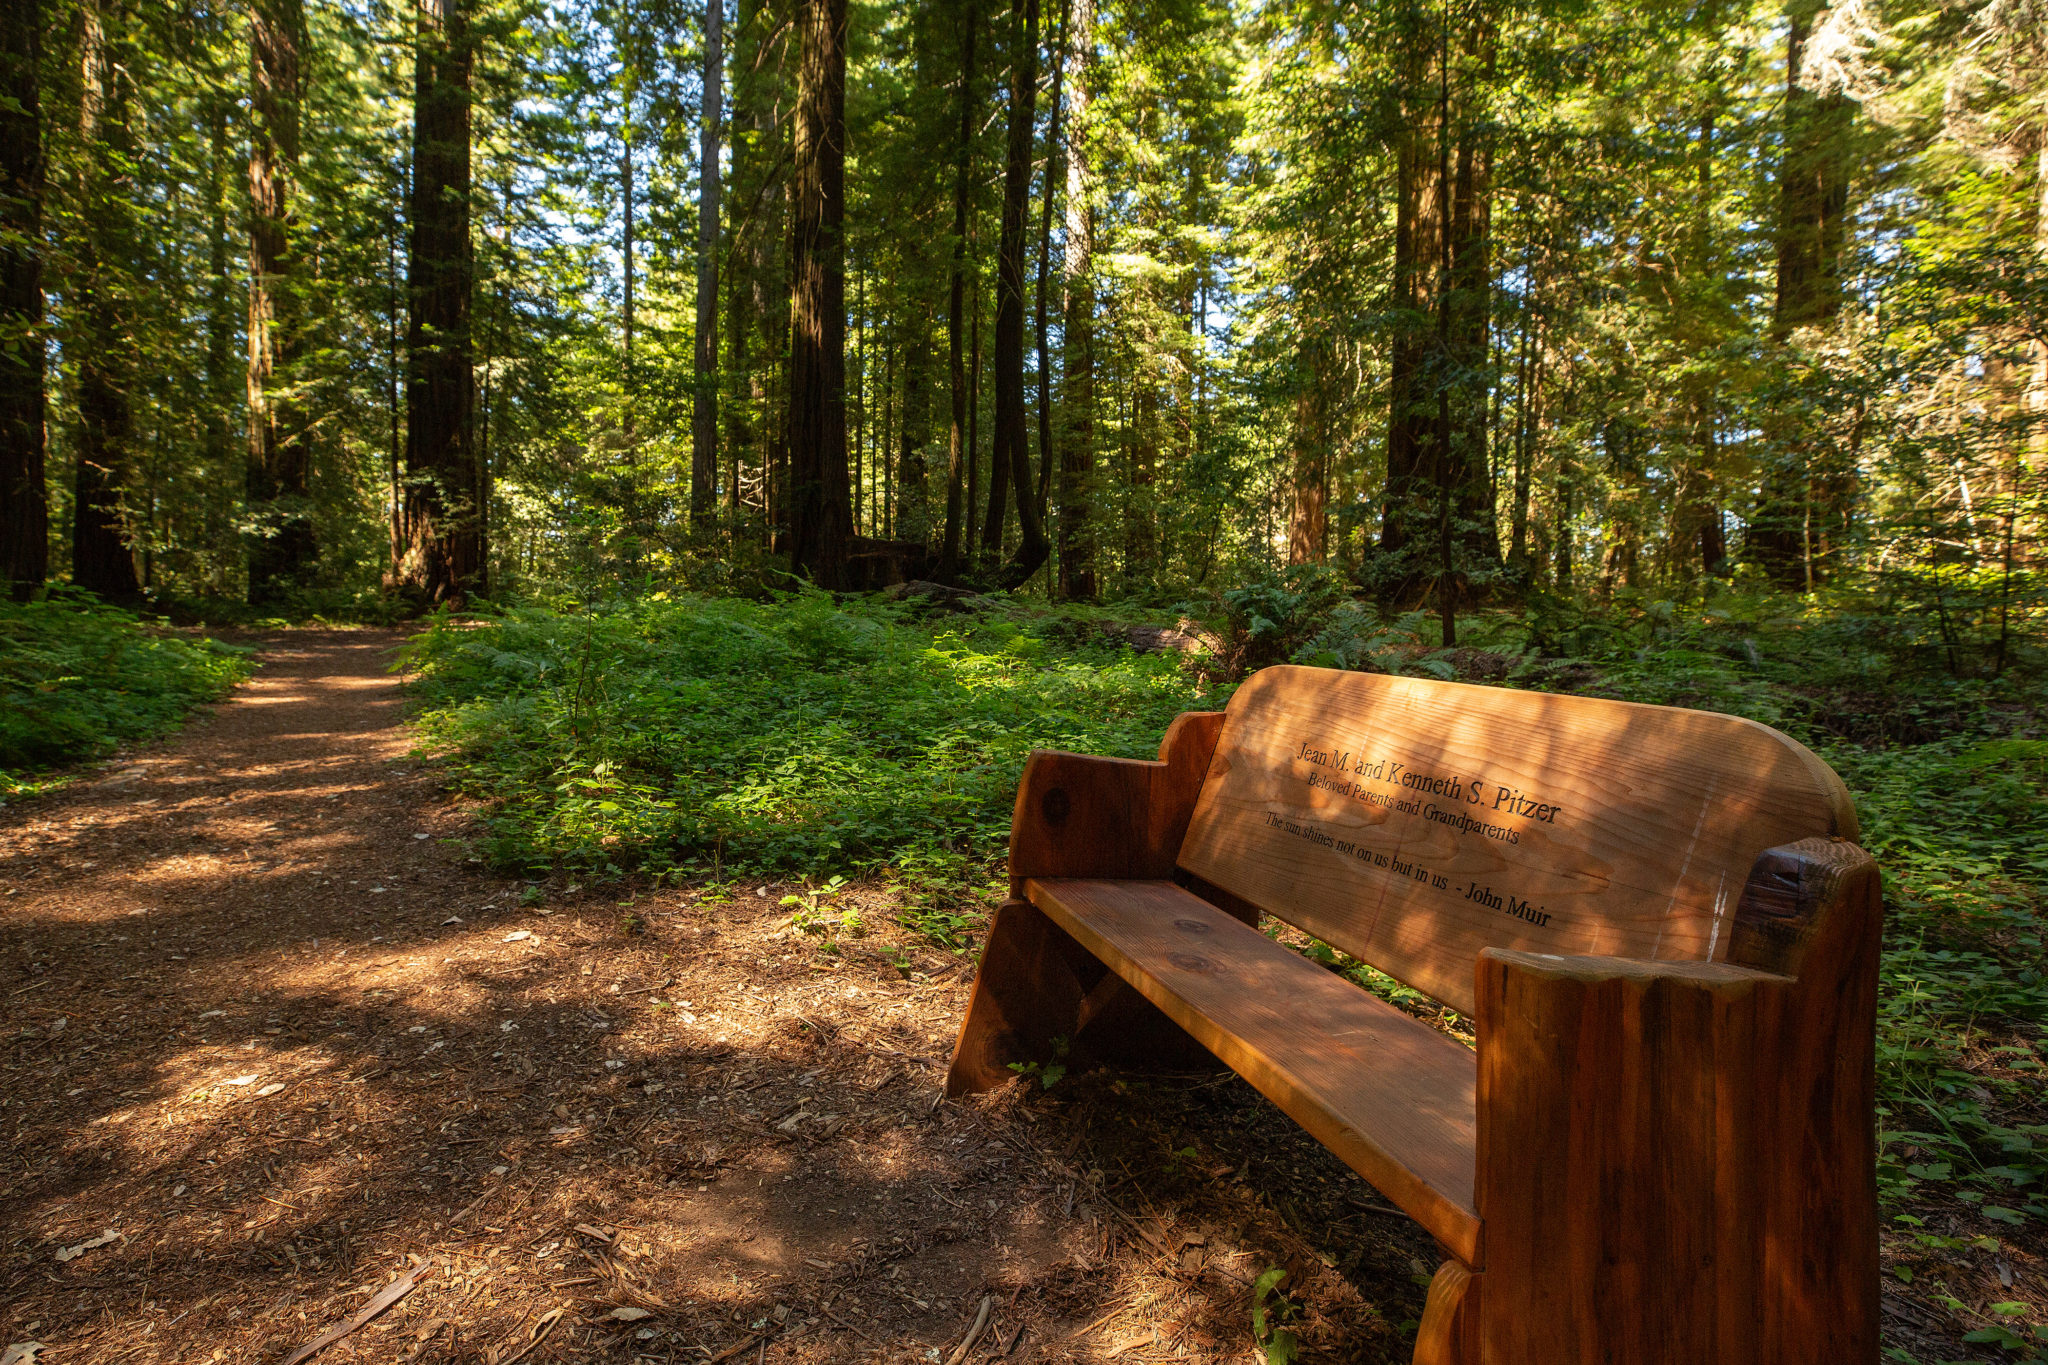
x=78, y=678
x=689, y=736
x=1943, y=750
x=693, y=737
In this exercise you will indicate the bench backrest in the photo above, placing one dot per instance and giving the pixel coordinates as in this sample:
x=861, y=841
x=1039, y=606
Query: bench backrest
x=1413, y=823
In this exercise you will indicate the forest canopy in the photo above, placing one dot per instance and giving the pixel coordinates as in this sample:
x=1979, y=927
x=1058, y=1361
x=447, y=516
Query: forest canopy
x=320, y=304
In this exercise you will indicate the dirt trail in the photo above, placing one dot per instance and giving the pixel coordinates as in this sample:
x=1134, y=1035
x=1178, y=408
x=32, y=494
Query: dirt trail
x=271, y=1023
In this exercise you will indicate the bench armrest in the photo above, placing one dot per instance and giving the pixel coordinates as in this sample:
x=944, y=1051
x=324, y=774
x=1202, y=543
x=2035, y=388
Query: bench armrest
x=1122, y=819
x=1706, y=1125
x=1548, y=967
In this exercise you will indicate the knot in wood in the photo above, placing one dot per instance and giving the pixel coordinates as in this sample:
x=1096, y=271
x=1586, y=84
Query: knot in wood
x=1193, y=926
x=1055, y=806
x=1194, y=962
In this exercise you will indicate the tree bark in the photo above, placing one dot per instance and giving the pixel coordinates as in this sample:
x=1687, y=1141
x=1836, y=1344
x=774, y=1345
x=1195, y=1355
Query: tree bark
x=911, y=520
x=1308, y=529
x=1470, y=308
x=628, y=278
x=223, y=315
x=1012, y=454
x=284, y=549
x=974, y=420
x=1418, y=287
x=704, y=413
x=819, y=517
x=24, y=499
x=101, y=560
x=1436, y=431
x=443, y=532
x=1813, y=204
x=1077, y=388
x=1047, y=457
x=959, y=455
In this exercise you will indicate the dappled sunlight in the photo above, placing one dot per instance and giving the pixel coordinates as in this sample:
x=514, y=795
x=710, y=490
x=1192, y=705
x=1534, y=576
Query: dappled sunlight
x=281, y=1035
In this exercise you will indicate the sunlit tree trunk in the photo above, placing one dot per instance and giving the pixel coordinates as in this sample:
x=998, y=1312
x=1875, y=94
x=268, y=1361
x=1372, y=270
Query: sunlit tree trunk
x=959, y=455
x=104, y=339
x=629, y=273
x=1308, y=529
x=1813, y=204
x=819, y=516
x=1047, y=457
x=1012, y=455
x=1077, y=389
x=221, y=307
x=1418, y=286
x=2037, y=383
x=442, y=526
x=974, y=421
x=1470, y=304
x=24, y=500
x=704, y=411
x=1436, y=422
x=279, y=462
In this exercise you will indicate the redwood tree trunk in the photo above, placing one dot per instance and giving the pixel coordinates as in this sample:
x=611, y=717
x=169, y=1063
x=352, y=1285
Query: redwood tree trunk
x=1077, y=388
x=959, y=454
x=1041, y=323
x=1470, y=306
x=101, y=561
x=1437, y=410
x=1308, y=528
x=442, y=541
x=819, y=517
x=1418, y=289
x=1813, y=203
x=1012, y=455
x=24, y=502
x=704, y=412
x=284, y=547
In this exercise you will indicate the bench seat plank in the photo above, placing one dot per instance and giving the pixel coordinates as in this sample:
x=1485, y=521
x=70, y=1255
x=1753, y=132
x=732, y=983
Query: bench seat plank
x=1392, y=1097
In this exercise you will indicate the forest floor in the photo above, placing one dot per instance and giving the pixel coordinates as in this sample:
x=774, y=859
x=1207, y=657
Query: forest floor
x=275, y=1040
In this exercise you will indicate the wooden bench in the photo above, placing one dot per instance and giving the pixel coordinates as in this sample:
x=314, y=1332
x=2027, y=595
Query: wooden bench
x=1663, y=1149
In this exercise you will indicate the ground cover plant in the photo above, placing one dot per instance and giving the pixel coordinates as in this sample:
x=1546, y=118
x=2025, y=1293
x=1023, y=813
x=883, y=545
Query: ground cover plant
x=690, y=738
x=78, y=678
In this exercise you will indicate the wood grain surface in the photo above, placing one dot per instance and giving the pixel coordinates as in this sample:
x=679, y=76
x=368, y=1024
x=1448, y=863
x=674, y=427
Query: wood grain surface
x=1415, y=823
x=1677, y=1162
x=1389, y=1095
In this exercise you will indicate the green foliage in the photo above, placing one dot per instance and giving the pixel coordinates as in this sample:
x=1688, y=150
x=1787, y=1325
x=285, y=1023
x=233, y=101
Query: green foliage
x=1953, y=805
x=1309, y=614
x=78, y=678
x=691, y=735
x=1050, y=1072
x=1271, y=1308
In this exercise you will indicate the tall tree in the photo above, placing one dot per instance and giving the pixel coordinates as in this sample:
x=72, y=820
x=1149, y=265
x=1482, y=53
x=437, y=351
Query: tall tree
x=1011, y=461
x=442, y=544
x=1436, y=436
x=284, y=547
x=960, y=453
x=1802, y=500
x=1077, y=388
x=1308, y=529
x=24, y=502
x=704, y=407
x=820, y=521
x=1041, y=323
x=104, y=338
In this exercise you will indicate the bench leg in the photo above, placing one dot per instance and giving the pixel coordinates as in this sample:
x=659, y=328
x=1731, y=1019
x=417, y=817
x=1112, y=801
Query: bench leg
x=1449, y=1334
x=1027, y=994
x=1038, y=991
